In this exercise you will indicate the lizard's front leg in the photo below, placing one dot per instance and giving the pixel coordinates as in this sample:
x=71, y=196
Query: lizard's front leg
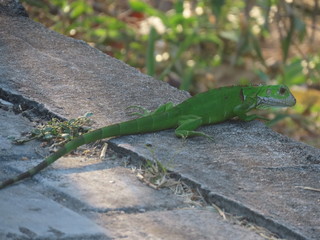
x=242, y=109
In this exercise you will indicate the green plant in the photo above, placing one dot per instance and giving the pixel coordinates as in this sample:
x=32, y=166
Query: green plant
x=59, y=132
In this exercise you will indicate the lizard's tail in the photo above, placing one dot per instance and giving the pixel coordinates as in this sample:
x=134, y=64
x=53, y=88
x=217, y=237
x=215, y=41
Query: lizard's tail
x=46, y=162
x=145, y=124
x=68, y=147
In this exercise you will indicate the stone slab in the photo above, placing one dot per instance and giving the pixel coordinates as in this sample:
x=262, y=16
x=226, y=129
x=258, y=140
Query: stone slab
x=178, y=224
x=247, y=163
x=103, y=188
x=34, y=216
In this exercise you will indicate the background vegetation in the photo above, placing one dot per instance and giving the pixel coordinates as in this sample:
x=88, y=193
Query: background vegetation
x=200, y=44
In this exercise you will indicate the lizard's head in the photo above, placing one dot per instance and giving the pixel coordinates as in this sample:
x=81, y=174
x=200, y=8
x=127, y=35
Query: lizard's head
x=275, y=96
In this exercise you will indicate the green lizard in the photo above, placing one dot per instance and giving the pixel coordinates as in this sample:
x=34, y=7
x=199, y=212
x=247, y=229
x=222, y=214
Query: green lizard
x=213, y=106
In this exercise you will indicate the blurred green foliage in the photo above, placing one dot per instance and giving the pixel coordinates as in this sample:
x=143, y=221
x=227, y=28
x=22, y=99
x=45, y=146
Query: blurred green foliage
x=186, y=38
x=199, y=44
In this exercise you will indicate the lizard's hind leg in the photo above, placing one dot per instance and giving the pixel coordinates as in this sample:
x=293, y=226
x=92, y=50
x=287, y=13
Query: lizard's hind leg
x=187, y=126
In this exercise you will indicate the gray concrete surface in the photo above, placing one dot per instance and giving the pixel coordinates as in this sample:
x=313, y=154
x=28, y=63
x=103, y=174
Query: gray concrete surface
x=248, y=164
x=89, y=198
x=247, y=170
x=38, y=215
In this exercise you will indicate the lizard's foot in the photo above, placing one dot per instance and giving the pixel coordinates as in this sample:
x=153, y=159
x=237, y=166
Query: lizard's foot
x=185, y=134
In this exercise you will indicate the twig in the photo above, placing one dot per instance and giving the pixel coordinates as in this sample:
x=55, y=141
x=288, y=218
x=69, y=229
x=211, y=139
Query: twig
x=308, y=188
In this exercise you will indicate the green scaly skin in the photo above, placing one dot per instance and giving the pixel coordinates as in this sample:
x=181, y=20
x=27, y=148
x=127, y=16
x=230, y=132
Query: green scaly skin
x=214, y=106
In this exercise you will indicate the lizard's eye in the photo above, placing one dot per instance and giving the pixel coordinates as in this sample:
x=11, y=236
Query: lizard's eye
x=282, y=90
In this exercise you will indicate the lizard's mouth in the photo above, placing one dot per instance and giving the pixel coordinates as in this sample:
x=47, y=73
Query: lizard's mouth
x=264, y=102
